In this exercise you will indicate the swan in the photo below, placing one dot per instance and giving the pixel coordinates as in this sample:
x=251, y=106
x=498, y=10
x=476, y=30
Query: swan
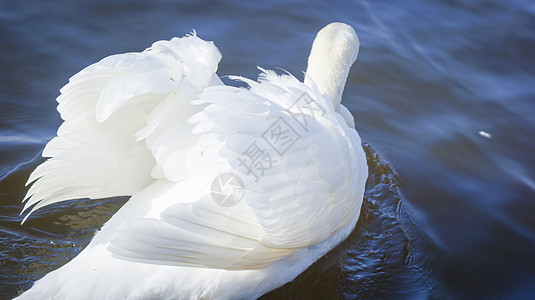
x=234, y=190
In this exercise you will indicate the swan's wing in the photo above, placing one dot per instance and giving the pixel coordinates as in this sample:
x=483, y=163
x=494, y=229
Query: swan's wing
x=301, y=167
x=198, y=234
x=117, y=115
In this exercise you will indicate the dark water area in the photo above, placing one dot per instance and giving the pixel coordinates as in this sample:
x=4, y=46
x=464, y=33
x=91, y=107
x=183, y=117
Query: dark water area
x=443, y=94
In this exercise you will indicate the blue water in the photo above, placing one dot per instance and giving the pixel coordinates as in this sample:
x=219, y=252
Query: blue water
x=443, y=93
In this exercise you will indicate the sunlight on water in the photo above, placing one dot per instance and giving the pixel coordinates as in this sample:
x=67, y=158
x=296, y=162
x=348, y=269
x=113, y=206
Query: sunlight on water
x=443, y=90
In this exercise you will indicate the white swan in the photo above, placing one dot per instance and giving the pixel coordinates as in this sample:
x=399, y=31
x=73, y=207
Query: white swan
x=235, y=191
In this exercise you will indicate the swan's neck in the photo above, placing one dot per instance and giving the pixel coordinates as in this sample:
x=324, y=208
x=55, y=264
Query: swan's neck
x=333, y=52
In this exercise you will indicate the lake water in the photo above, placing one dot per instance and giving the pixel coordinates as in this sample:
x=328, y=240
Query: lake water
x=443, y=93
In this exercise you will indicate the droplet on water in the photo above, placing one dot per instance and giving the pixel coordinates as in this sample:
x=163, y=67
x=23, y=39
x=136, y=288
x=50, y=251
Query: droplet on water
x=485, y=134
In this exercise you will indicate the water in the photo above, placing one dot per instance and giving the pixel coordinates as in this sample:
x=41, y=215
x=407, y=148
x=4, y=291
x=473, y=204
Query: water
x=448, y=211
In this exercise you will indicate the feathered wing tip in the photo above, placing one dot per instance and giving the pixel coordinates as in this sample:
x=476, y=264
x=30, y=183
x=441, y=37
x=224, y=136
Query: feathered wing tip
x=309, y=80
x=118, y=114
x=270, y=85
x=266, y=74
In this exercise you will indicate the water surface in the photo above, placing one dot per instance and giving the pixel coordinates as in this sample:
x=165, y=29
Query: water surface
x=443, y=94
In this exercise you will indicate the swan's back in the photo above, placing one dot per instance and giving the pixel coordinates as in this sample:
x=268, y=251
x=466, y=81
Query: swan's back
x=231, y=187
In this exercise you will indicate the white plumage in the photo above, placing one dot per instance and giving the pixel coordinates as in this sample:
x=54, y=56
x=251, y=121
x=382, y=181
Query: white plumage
x=159, y=125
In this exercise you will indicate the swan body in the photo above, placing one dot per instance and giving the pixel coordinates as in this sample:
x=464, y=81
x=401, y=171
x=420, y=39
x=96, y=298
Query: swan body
x=234, y=191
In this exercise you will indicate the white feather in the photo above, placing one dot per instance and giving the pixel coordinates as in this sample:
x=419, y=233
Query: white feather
x=108, y=144
x=161, y=126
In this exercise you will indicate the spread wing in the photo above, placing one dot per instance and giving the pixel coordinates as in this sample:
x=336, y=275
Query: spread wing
x=302, y=170
x=118, y=114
